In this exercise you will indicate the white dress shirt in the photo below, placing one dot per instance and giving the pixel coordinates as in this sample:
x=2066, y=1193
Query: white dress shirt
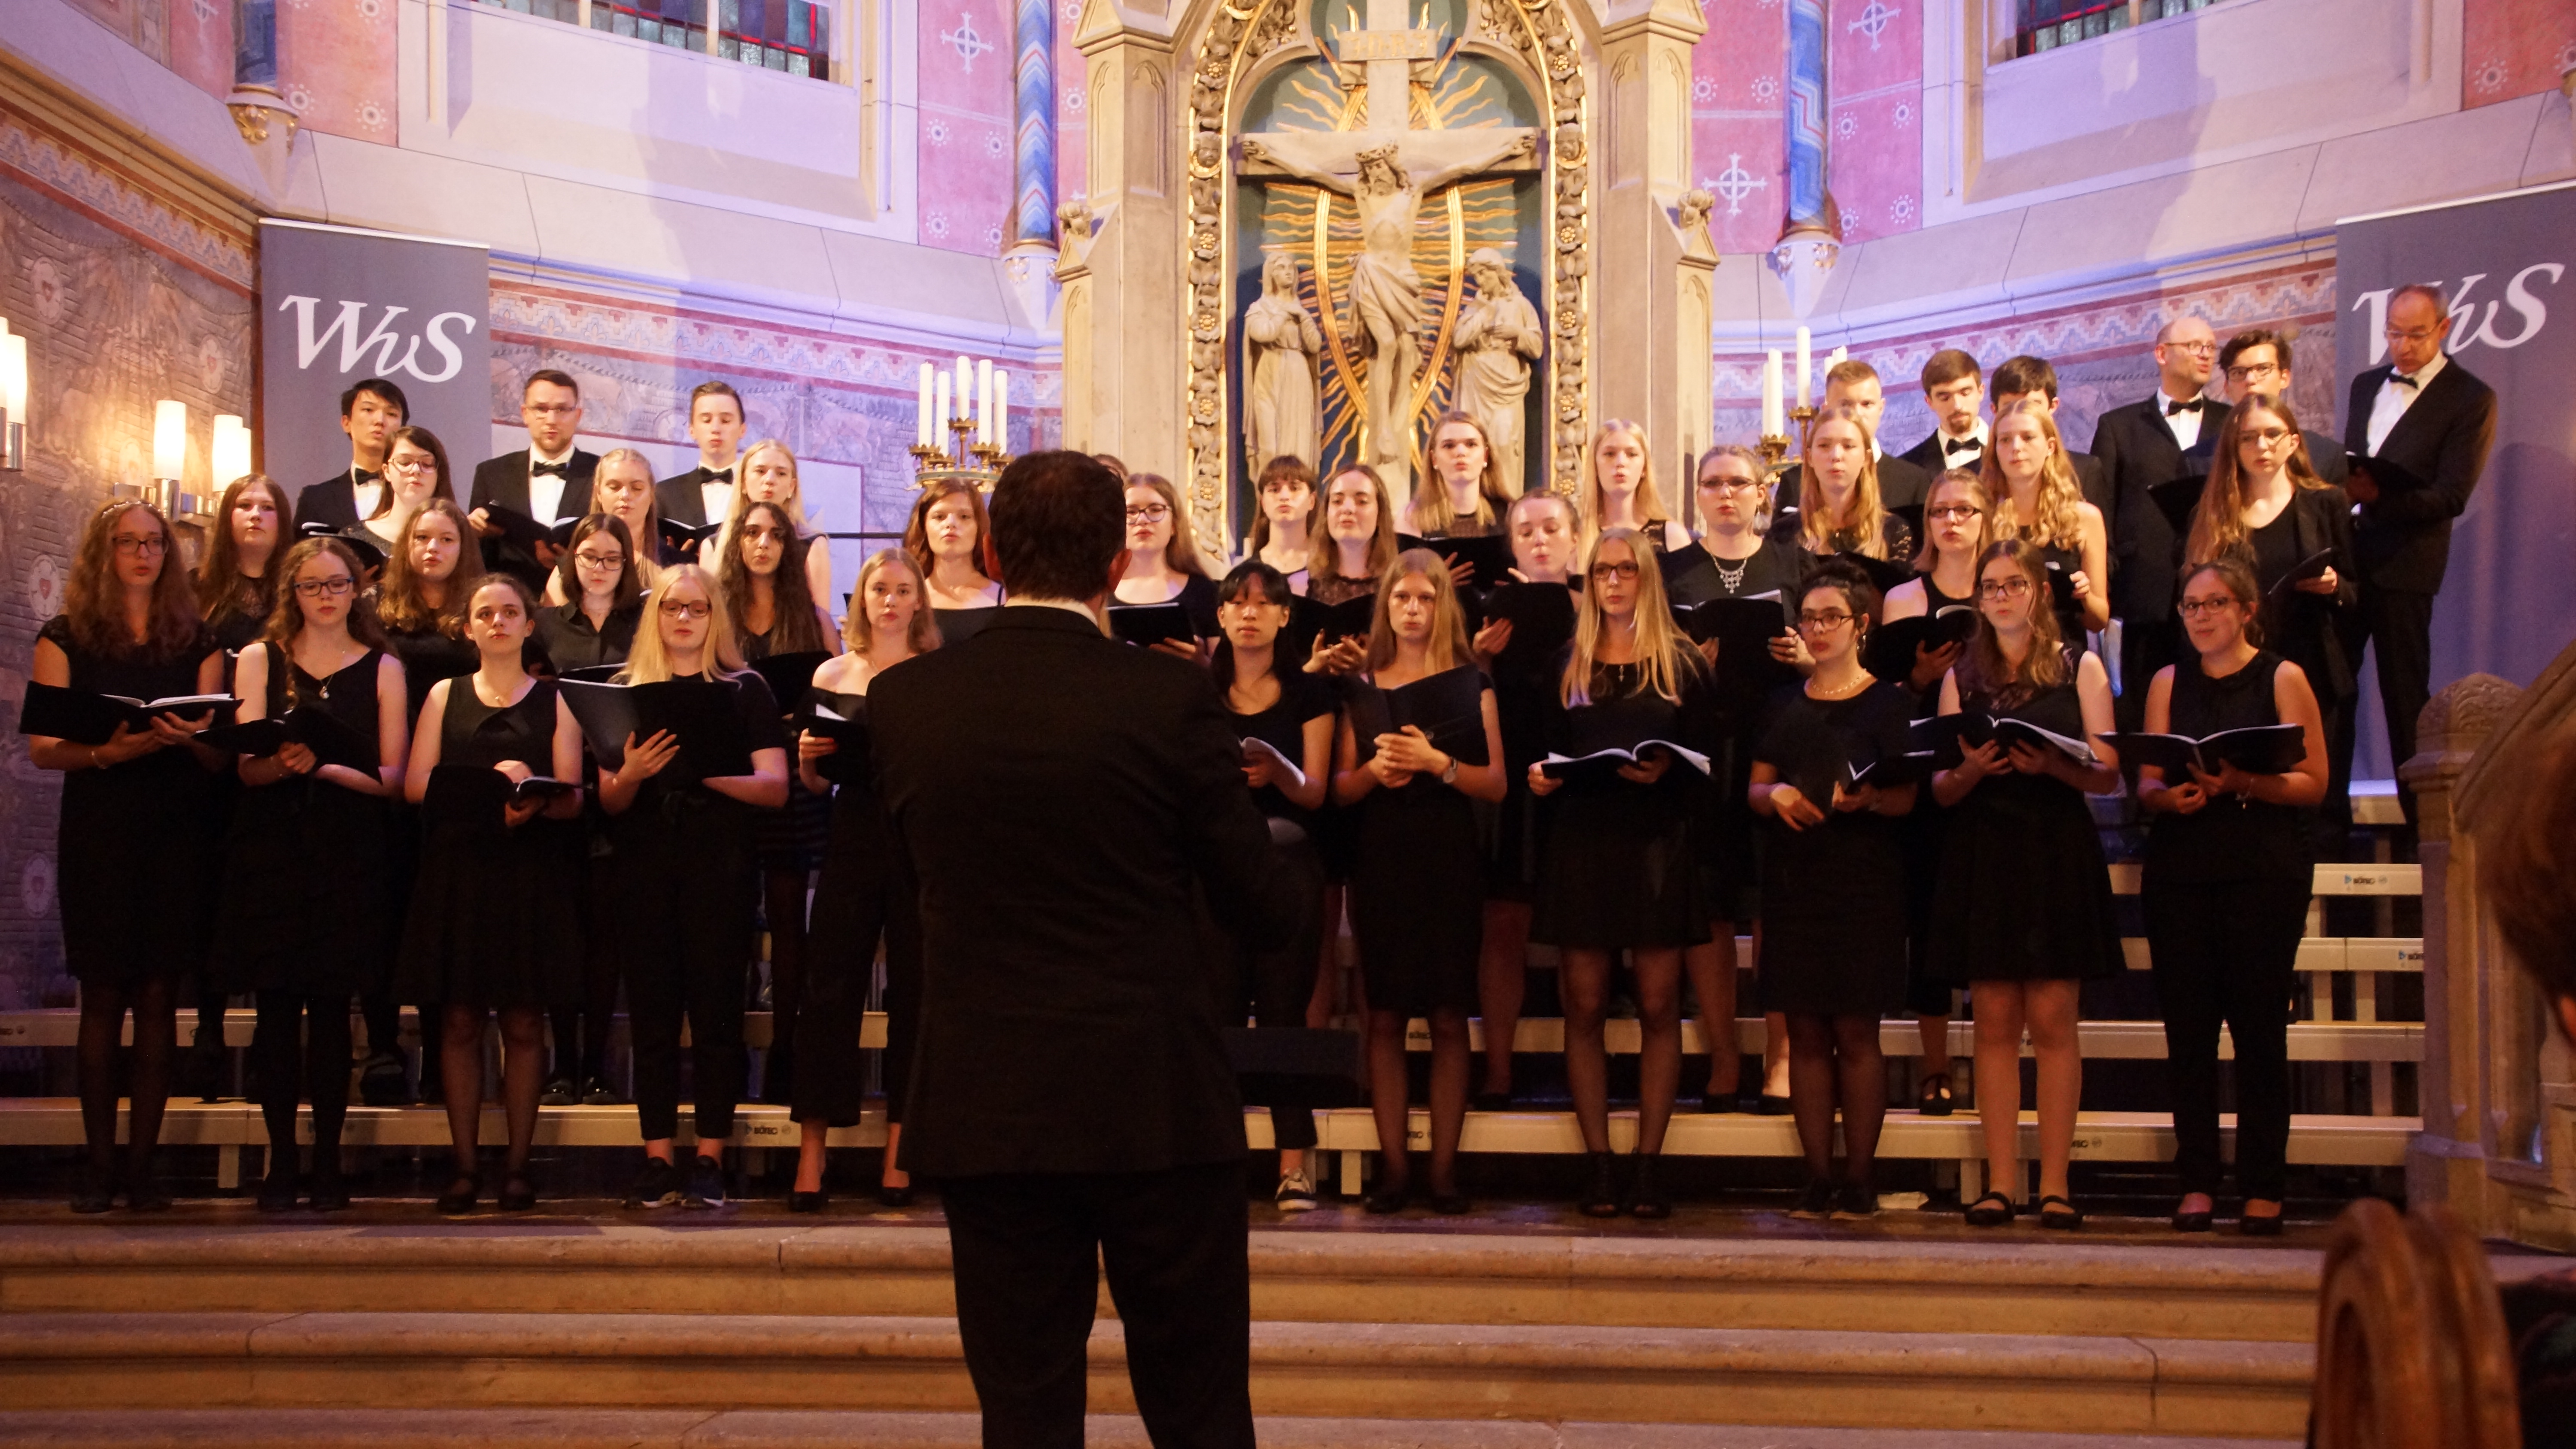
x=2184, y=425
x=368, y=496
x=1975, y=434
x=2394, y=398
x=716, y=499
x=546, y=493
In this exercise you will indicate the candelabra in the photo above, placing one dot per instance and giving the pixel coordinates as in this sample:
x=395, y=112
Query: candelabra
x=1775, y=446
x=975, y=462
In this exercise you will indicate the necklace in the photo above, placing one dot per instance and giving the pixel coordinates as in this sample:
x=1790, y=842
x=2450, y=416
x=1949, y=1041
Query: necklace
x=1822, y=690
x=1731, y=579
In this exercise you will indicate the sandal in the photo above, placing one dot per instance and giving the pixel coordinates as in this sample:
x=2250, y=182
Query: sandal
x=2065, y=1221
x=1936, y=1099
x=1982, y=1216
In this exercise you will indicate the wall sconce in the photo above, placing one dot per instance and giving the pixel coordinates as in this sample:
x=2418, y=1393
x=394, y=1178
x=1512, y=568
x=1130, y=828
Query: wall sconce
x=169, y=452
x=231, y=451
x=13, y=399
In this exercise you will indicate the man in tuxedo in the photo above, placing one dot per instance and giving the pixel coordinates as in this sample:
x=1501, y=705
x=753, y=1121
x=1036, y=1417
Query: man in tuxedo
x=1953, y=386
x=1854, y=384
x=371, y=412
x=2026, y=376
x=548, y=480
x=2162, y=439
x=1066, y=803
x=2418, y=429
x=705, y=493
x=2258, y=361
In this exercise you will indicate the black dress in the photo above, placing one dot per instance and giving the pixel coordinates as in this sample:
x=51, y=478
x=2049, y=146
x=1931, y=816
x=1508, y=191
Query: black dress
x=794, y=837
x=2024, y=893
x=1417, y=899
x=1274, y=986
x=493, y=919
x=307, y=902
x=1833, y=895
x=243, y=617
x=135, y=854
x=1723, y=838
x=1921, y=830
x=1616, y=867
x=863, y=895
x=1525, y=692
x=2065, y=562
x=428, y=656
x=570, y=641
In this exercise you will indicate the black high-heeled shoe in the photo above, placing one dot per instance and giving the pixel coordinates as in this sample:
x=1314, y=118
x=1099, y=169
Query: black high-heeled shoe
x=2191, y=1222
x=812, y=1202
x=1600, y=1197
x=1646, y=1197
x=90, y=1192
x=893, y=1195
x=277, y=1191
x=518, y=1194
x=1384, y=1200
x=460, y=1196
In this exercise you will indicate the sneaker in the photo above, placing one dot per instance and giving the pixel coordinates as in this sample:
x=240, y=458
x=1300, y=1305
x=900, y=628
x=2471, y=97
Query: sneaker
x=1857, y=1201
x=595, y=1092
x=1819, y=1201
x=706, y=1187
x=1296, y=1193
x=658, y=1185
x=558, y=1093
x=381, y=1084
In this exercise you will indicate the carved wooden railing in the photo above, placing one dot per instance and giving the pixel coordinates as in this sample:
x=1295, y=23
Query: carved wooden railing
x=2411, y=1345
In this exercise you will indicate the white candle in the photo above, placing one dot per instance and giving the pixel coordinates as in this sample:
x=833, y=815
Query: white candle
x=1002, y=411
x=984, y=401
x=1806, y=365
x=1772, y=423
x=923, y=425
x=939, y=410
x=1835, y=358
x=965, y=396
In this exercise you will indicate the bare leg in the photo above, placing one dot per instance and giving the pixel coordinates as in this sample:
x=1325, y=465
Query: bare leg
x=890, y=1175
x=810, y=1137
x=2052, y=1007
x=1712, y=978
x=1388, y=1102
x=1775, y=1054
x=1502, y=977
x=1585, y=980
x=1999, y=1027
x=1659, y=1063
x=1449, y=1068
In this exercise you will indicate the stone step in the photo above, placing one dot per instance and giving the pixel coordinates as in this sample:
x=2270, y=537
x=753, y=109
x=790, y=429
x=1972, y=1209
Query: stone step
x=836, y=1429
x=2018, y=1282
x=1543, y=1374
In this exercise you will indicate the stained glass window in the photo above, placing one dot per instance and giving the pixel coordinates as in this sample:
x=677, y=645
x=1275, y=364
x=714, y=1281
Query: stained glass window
x=567, y=11
x=2049, y=24
x=680, y=23
x=794, y=36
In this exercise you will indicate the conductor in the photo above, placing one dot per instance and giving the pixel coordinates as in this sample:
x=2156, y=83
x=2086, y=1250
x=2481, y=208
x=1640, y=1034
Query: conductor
x=1067, y=802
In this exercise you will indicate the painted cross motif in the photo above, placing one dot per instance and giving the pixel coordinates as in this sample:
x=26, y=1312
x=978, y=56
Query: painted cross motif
x=965, y=41
x=1874, y=18
x=1735, y=183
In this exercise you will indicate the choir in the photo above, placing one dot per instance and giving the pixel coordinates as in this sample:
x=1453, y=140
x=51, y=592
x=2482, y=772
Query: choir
x=503, y=762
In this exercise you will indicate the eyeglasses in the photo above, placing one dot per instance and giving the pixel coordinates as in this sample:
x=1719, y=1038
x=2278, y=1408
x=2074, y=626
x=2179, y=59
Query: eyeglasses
x=1826, y=621
x=1608, y=571
x=411, y=465
x=682, y=609
x=323, y=588
x=1149, y=513
x=2250, y=372
x=2265, y=436
x=128, y=543
x=765, y=535
x=1949, y=511
x=2412, y=334
x=600, y=560
x=551, y=410
x=1728, y=483
x=2203, y=348
x=2011, y=588
x=2197, y=608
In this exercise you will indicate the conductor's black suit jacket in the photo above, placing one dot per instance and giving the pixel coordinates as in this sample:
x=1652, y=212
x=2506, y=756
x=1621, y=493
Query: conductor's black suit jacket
x=1067, y=801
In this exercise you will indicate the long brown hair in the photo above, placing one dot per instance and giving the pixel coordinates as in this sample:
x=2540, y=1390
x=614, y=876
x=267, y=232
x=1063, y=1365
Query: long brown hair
x=1658, y=642
x=400, y=605
x=2238, y=578
x=1279, y=472
x=1866, y=517
x=1925, y=560
x=1325, y=561
x=916, y=530
x=1448, y=648
x=287, y=620
x=222, y=587
x=1432, y=515
x=632, y=580
x=921, y=636
x=793, y=627
x=1180, y=551
x=1985, y=670
x=94, y=601
x=2060, y=521
x=427, y=442
x=2218, y=521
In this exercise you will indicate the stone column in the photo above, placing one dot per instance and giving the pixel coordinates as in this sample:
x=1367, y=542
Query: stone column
x=1124, y=365
x=1652, y=258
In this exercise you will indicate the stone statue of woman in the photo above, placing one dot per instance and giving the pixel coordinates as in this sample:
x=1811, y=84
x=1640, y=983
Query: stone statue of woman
x=1498, y=336
x=1282, y=345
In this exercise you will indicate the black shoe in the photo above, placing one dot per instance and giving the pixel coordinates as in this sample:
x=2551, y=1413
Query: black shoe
x=558, y=1093
x=808, y=1202
x=1492, y=1102
x=1450, y=1204
x=1991, y=1211
x=91, y=1194
x=1818, y=1203
x=144, y=1192
x=595, y=1092
x=1600, y=1197
x=381, y=1084
x=1384, y=1201
x=329, y=1194
x=1770, y=1106
x=890, y=1195
x=1718, y=1104
x=277, y=1191
x=2184, y=1222
x=1855, y=1202
x=2066, y=1219
x=658, y=1185
x=706, y=1187
x=1646, y=1197
x=1936, y=1099
x=2259, y=1227
x=460, y=1196
x=518, y=1194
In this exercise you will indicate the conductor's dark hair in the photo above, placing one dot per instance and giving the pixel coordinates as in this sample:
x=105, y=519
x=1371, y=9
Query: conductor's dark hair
x=1059, y=522
x=375, y=387
x=2024, y=375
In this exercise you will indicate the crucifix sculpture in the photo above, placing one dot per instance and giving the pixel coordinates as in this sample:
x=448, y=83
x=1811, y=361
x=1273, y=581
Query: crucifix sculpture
x=1387, y=167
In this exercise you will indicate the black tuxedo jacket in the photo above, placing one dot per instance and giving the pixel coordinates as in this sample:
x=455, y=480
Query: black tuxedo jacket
x=2326, y=455
x=1066, y=802
x=1929, y=456
x=682, y=502
x=2137, y=451
x=333, y=501
x=504, y=480
x=2425, y=472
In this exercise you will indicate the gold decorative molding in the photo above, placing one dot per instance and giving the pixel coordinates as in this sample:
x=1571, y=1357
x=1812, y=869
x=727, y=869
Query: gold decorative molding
x=254, y=107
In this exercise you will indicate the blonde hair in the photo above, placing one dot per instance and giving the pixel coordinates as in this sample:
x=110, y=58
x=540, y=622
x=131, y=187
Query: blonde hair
x=644, y=545
x=1324, y=562
x=1864, y=517
x=1432, y=514
x=1448, y=647
x=1924, y=561
x=1658, y=642
x=2059, y=523
x=921, y=635
x=649, y=663
x=1650, y=504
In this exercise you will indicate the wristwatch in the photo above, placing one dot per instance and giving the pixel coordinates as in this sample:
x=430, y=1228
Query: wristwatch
x=1450, y=776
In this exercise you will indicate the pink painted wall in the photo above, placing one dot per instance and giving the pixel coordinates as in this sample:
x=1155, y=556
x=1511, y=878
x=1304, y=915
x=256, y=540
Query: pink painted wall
x=2512, y=48
x=336, y=65
x=965, y=124
x=1874, y=144
x=1737, y=115
x=201, y=44
x=1072, y=105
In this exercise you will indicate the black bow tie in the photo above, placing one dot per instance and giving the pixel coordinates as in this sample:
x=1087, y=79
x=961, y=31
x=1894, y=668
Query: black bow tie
x=361, y=478
x=719, y=475
x=2403, y=380
x=559, y=470
x=2193, y=406
x=1961, y=445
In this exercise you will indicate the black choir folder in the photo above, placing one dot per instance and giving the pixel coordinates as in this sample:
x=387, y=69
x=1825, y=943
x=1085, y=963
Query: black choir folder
x=1149, y=624
x=1490, y=553
x=331, y=741
x=1743, y=628
x=1351, y=618
x=1605, y=737
x=1892, y=646
x=790, y=675
x=462, y=791
x=370, y=552
x=699, y=712
x=525, y=531
x=1909, y=768
x=1448, y=707
x=682, y=537
x=842, y=719
x=1944, y=736
x=85, y=718
x=1541, y=616
x=2257, y=750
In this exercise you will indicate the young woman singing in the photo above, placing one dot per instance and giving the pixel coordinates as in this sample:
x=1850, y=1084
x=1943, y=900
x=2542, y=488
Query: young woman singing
x=141, y=807
x=2228, y=876
x=950, y=541
x=2036, y=498
x=489, y=929
x=415, y=473
x=1162, y=565
x=1416, y=901
x=622, y=488
x=1838, y=499
x=307, y=917
x=1615, y=871
x=604, y=597
x=1359, y=544
x=1621, y=493
x=1466, y=495
x=864, y=897
x=1283, y=531
x=769, y=476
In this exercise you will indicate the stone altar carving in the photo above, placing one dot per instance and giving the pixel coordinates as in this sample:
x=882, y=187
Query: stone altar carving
x=1498, y=338
x=1281, y=344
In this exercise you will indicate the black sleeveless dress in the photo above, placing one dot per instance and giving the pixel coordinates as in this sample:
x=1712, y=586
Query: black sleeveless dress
x=1417, y=897
x=2023, y=892
x=2231, y=838
x=1833, y=894
x=307, y=902
x=494, y=919
x=794, y=837
x=864, y=894
x=1723, y=835
x=1615, y=869
x=135, y=850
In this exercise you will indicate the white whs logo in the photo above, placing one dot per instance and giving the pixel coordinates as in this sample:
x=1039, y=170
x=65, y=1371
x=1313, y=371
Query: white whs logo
x=2467, y=330
x=356, y=344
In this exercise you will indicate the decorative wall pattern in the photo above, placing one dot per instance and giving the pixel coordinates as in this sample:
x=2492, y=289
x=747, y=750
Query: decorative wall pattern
x=2513, y=48
x=966, y=124
x=1873, y=110
x=1738, y=116
x=1875, y=113
x=45, y=160
x=1072, y=104
x=336, y=61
